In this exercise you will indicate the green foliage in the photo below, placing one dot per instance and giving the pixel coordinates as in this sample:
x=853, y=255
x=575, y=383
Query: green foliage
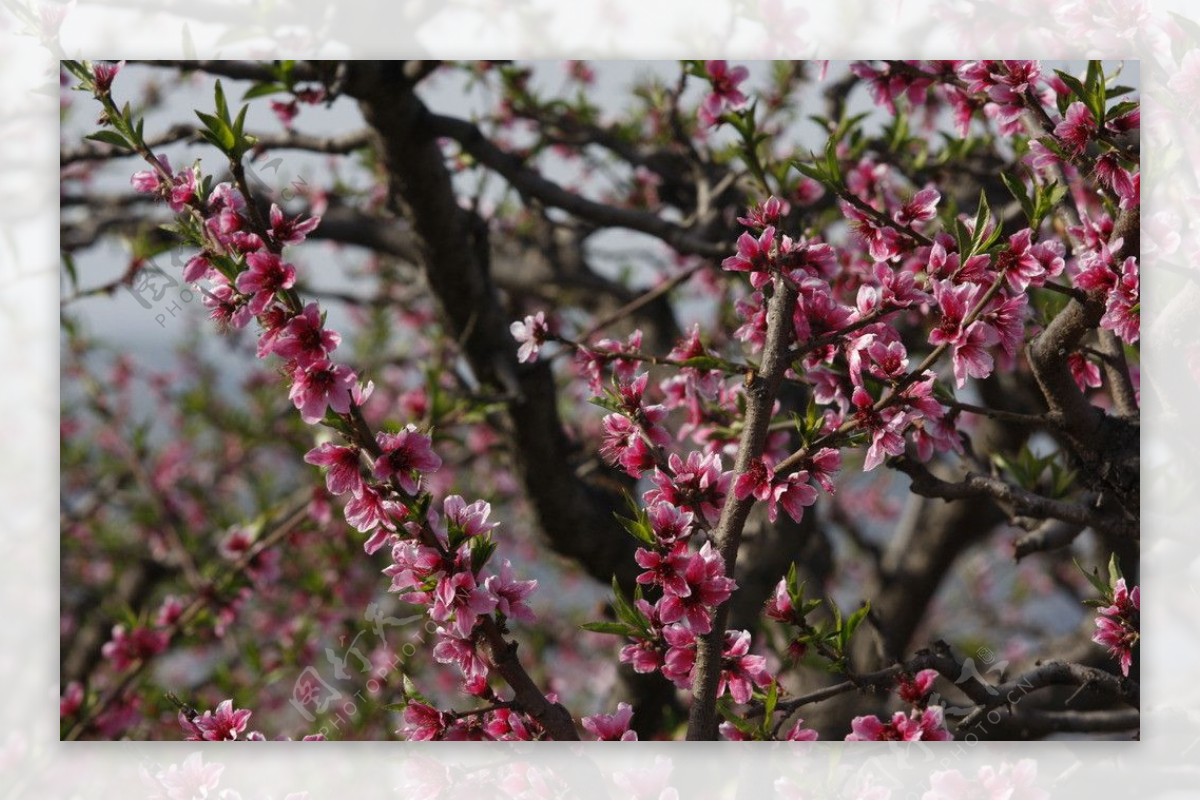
x=1029, y=470
x=222, y=131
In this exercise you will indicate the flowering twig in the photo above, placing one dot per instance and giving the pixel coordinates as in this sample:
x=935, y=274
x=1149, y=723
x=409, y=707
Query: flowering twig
x=760, y=396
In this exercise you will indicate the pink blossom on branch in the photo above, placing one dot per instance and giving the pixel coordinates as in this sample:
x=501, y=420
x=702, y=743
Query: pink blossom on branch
x=927, y=724
x=531, y=334
x=725, y=92
x=226, y=723
x=407, y=455
x=612, y=727
x=1117, y=627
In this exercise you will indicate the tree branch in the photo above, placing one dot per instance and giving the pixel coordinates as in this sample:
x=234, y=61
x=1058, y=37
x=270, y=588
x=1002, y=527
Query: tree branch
x=760, y=399
x=1020, y=500
x=530, y=183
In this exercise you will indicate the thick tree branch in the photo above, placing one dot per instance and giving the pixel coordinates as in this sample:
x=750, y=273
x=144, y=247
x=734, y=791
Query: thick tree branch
x=760, y=399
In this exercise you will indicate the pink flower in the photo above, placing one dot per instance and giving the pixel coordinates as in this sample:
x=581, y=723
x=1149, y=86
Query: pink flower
x=725, y=91
x=183, y=190
x=708, y=587
x=779, y=606
x=612, y=727
x=510, y=594
x=741, y=671
x=72, y=699
x=290, y=231
x=1076, y=128
x=680, y=659
x=915, y=689
x=103, y=72
x=1085, y=372
x=304, y=339
x=754, y=256
x=927, y=724
x=459, y=651
x=405, y=457
x=422, y=722
x=591, y=361
x=169, y=612
x=1122, y=307
x=367, y=511
x=226, y=306
x=225, y=724
x=1118, y=623
x=624, y=446
x=1010, y=781
x=471, y=520
x=667, y=570
x=531, y=334
x=412, y=564
x=126, y=648
x=344, y=467
x=197, y=268
x=793, y=491
x=267, y=274
x=922, y=207
x=509, y=725
x=698, y=484
x=460, y=598
x=800, y=734
x=149, y=181
x=883, y=242
x=970, y=345
x=191, y=779
x=669, y=523
x=885, y=428
x=322, y=385
x=285, y=111
x=770, y=212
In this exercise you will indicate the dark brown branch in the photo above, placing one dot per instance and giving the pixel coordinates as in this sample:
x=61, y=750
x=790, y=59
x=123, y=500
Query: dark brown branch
x=1021, y=501
x=760, y=399
x=1050, y=535
x=529, y=182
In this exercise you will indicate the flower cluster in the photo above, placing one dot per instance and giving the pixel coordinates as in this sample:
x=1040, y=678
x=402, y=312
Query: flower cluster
x=225, y=723
x=438, y=560
x=927, y=724
x=1117, y=627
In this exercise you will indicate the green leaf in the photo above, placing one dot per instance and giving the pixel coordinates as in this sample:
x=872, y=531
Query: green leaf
x=110, y=138
x=221, y=135
x=1074, y=84
x=741, y=724
x=832, y=168
x=609, y=627
x=222, y=106
x=1017, y=188
x=853, y=622
x=982, y=217
x=240, y=123
x=1114, y=571
x=703, y=363
x=263, y=90
x=69, y=265
x=813, y=172
x=1094, y=579
x=771, y=701
x=624, y=610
